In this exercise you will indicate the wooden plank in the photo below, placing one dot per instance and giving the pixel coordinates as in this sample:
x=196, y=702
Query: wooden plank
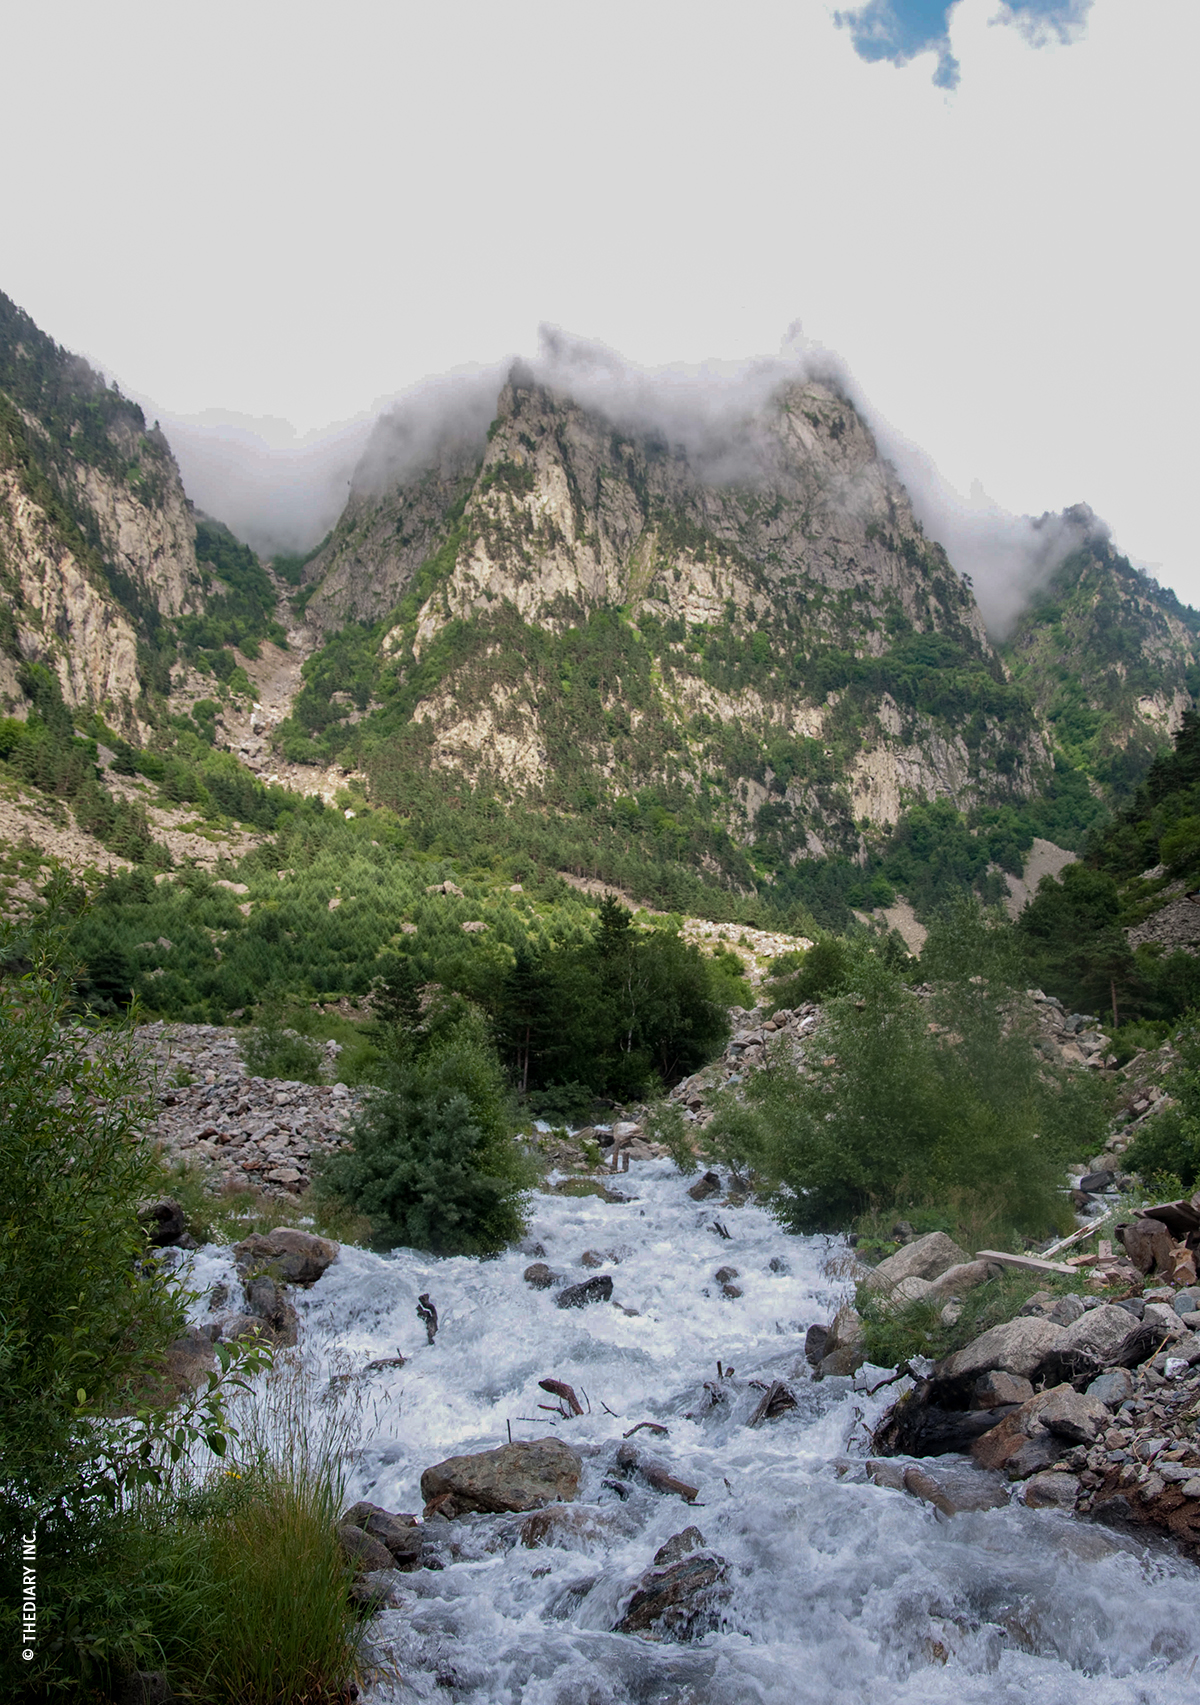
x=1079, y=1236
x=1030, y=1263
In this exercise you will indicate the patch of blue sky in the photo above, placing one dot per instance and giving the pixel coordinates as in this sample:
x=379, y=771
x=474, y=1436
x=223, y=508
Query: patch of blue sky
x=898, y=30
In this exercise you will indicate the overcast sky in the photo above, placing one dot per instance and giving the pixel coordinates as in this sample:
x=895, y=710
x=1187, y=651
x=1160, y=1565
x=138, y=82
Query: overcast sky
x=284, y=214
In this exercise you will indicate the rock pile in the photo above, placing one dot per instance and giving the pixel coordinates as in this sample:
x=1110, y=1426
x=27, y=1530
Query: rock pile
x=1084, y=1404
x=247, y=1130
x=745, y=1051
x=1071, y=1039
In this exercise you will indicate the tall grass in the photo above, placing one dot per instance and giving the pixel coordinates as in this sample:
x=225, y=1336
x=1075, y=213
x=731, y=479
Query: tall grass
x=228, y=1577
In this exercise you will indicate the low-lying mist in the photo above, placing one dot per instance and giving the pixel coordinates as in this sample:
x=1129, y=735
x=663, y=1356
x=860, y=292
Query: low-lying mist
x=282, y=493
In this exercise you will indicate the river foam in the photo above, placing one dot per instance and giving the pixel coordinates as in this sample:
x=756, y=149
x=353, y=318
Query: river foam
x=842, y=1591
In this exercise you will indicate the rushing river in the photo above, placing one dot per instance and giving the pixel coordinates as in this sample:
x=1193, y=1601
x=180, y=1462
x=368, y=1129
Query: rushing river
x=842, y=1591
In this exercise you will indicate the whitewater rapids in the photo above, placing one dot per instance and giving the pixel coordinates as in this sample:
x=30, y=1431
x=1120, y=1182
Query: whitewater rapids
x=843, y=1592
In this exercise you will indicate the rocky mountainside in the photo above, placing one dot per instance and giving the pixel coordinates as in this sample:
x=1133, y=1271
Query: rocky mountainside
x=97, y=539
x=756, y=638
x=1111, y=663
x=719, y=654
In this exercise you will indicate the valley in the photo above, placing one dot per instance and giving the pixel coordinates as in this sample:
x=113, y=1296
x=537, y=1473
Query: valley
x=608, y=922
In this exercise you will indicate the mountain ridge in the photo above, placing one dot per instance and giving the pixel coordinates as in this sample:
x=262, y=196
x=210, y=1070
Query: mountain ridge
x=728, y=656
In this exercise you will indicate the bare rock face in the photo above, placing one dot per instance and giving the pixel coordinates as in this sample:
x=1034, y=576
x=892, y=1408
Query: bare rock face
x=297, y=1257
x=515, y=1477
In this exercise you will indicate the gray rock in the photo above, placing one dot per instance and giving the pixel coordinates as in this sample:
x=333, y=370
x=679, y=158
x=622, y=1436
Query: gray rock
x=238, y=1328
x=957, y=1280
x=1067, y=1309
x=1015, y=1346
x=680, y=1602
x=1073, y=1415
x=680, y=1545
x=709, y=1184
x=996, y=1389
x=1033, y=1455
x=815, y=1340
x=297, y=1257
x=1101, y=1338
x=1049, y=1491
x=598, y=1289
x=927, y=1258
x=842, y=1352
x=954, y=1487
x=539, y=1276
x=267, y=1299
x=1112, y=1387
x=515, y=1477
x=362, y=1550
x=1164, y=1318
x=1091, y=1182
x=164, y=1221
x=1039, y=1305
x=400, y=1533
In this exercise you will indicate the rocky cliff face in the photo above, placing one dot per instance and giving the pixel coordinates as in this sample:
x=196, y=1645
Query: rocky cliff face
x=97, y=540
x=758, y=620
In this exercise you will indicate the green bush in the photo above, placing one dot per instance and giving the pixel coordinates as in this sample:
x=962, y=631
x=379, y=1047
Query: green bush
x=434, y=1164
x=940, y=1102
x=84, y=1317
x=1169, y=1144
x=271, y=1049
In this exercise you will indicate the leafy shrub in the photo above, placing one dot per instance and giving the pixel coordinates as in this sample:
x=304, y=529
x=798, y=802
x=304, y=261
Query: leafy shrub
x=271, y=1049
x=1169, y=1144
x=914, y=1103
x=665, y=1124
x=83, y=1318
x=434, y=1164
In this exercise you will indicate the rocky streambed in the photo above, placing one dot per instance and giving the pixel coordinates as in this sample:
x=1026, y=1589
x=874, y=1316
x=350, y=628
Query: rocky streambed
x=709, y=1522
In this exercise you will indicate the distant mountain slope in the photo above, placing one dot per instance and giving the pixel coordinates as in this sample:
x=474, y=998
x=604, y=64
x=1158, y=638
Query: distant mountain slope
x=1112, y=663
x=750, y=663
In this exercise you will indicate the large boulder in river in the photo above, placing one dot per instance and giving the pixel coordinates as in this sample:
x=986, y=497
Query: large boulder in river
x=598, y=1289
x=515, y=1477
x=842, y=1351
x=296, y=1257
x=927, y=1258
x=1015, y=1346
x=680, y=1597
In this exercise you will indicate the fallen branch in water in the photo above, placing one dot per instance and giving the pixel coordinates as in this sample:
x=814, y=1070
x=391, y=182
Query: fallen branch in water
x=559, y=1388
x=650, y=1426
x=777, y=1398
